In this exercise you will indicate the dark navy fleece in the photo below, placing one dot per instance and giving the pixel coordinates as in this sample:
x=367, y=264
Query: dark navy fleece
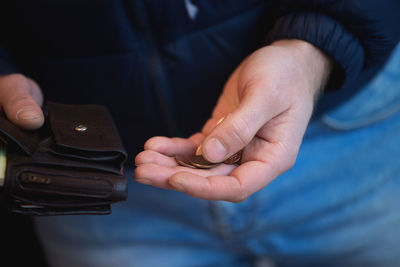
x=159, y=65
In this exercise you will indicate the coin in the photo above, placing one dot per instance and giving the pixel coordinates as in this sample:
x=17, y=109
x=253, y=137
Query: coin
x=3, y=163
x=196, y=162
x=199, y=162
x=198, y=151
x=184, y=161
x=235, y=158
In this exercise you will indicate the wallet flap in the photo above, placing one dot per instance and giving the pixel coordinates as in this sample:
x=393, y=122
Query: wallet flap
x=14, y=136
x=94, y=131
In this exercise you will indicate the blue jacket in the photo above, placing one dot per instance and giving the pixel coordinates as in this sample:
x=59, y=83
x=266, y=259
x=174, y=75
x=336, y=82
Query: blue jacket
x=159, y=65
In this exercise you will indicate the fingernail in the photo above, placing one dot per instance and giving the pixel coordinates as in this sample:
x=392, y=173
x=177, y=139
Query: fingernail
x=27, y=114
x=214, y=150
x=144, y=181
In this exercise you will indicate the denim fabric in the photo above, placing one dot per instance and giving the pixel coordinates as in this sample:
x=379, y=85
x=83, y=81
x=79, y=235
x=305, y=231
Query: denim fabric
x=378, y=100
x=338, y=206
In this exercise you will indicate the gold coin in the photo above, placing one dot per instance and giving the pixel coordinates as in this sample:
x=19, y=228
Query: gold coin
x=198, y=151
x=235, y=158
x=184, y=161
x=199, y=162
x=3, y=163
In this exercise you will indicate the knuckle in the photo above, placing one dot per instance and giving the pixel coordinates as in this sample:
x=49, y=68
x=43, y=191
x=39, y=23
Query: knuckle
x=292, y=156
x=15, y=80
x=139, y=159
x=289, y=153
x=241, y=133
x=15, y=91
x=290, y=163
x=21, y=100
x=241, y=196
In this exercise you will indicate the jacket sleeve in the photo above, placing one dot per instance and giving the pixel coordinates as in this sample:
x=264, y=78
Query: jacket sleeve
x=357, y=34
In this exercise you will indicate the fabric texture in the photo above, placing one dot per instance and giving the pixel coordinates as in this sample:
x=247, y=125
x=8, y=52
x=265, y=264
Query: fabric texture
x=338, y=206
x=144, y=59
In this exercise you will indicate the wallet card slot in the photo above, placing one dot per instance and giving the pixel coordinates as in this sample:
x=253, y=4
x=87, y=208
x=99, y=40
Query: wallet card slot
x=64, y=185
x=65, y=182
x=49, y=154
x=59, y=201
x=50, y=161
x=85, y=155
x=40, y=207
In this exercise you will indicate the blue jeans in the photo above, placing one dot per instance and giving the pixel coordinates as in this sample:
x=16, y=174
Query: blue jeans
x=338, y=206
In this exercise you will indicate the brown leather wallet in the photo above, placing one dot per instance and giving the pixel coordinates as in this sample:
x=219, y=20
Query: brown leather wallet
x=71, y=165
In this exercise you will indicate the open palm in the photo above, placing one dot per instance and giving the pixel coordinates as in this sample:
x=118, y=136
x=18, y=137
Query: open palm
x=266, y=105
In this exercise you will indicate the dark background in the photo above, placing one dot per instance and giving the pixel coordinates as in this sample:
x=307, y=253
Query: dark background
x=20, y=246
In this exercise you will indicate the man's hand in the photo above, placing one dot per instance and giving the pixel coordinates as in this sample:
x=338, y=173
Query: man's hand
x=20, y=100
x=266, y=105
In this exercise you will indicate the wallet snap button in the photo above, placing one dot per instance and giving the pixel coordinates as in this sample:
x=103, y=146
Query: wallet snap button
x=81, y=128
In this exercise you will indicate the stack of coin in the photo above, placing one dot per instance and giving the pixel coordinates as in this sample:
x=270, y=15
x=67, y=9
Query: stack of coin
x=197, y=161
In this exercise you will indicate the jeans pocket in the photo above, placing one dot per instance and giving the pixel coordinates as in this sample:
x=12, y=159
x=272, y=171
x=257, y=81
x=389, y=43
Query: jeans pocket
x=378, y=100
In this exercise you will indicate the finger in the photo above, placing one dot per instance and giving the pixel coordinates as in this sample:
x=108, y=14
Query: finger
x=197, y=138
x=158, y=175
x=263, y=161
x=153, y=174
x=150, y=156
x=20, y=99
x=170, y=146
x=239, y=127
x=244, y=181
x=210, y=188
x=210, y=125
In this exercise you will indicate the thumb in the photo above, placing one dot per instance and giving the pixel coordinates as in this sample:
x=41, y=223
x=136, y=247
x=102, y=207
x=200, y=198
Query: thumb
x=20, y=99
x=239, y=127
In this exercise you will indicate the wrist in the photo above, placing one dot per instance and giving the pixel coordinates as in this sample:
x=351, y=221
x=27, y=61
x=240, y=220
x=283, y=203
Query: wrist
x=316, y=65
